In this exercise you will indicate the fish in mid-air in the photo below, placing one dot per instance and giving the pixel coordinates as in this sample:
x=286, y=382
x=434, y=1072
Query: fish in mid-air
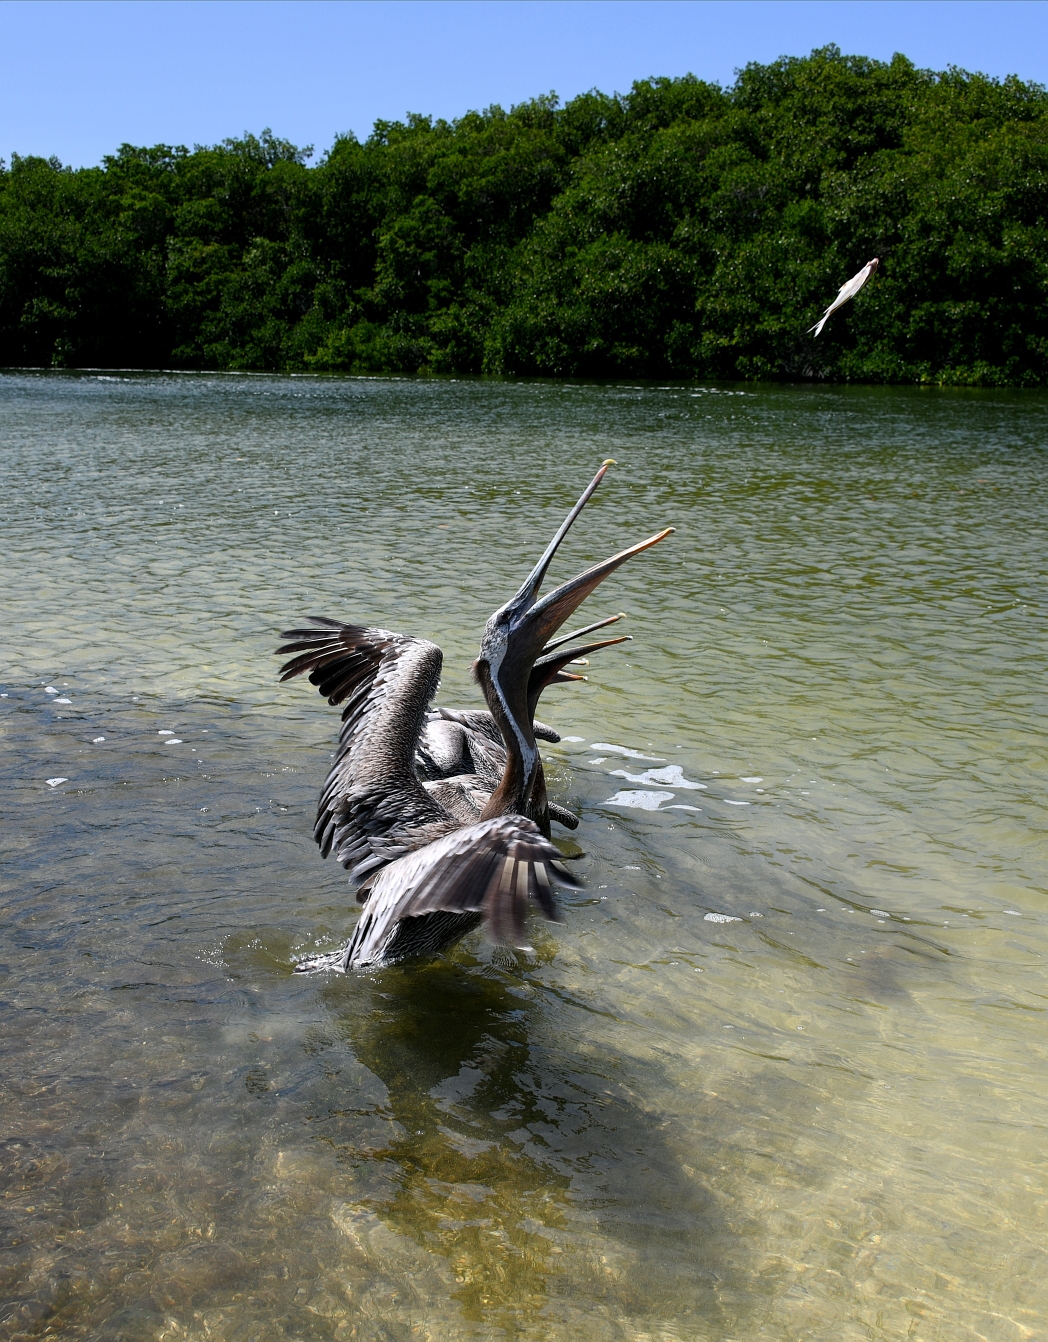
x=847, y=292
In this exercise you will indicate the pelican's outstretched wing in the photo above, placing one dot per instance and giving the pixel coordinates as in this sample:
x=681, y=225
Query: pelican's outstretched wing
x=428, y=899
x=846, y=293
x=373, y=808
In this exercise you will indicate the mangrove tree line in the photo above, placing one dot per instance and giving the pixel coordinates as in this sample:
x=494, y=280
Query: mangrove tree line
x=681, y=230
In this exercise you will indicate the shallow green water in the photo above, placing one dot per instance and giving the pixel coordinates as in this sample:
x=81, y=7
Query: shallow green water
x=824, y=1119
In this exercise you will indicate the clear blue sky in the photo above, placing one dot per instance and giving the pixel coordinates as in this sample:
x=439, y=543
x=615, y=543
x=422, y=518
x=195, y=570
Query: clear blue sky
x=78, y=77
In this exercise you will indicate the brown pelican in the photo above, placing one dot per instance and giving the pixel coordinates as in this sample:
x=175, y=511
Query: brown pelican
x=845, y=294
x=437, y=856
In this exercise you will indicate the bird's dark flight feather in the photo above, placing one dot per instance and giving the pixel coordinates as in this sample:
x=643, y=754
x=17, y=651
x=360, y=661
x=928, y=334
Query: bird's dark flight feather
x=491, y=871
x=373, y=808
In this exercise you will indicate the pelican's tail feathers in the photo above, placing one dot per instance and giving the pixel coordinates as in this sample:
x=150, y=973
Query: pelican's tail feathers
x=330, y=961
x=425, y=901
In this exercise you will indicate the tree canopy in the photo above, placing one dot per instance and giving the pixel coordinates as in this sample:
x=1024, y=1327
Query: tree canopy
x=680, y=230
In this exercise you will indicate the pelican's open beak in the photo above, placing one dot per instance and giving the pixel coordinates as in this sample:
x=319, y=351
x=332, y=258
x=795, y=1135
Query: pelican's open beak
x=532, y=620
x=544, y=618
x=519, y=657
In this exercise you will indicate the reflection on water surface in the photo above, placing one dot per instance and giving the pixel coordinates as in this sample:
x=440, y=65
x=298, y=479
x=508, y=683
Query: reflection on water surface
x=780, y=1071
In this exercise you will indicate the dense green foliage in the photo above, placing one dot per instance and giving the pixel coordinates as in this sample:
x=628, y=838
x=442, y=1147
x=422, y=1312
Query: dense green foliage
x=681, y=230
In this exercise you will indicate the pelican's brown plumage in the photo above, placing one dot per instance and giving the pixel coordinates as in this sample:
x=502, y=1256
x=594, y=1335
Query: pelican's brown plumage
x=436, y=851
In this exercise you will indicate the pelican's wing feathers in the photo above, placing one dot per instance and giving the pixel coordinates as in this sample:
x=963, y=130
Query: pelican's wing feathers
x=493, y=869
x=373, y=807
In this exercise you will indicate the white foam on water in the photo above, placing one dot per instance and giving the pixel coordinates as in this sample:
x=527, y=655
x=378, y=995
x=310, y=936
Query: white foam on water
x=735, y=803
x=573, y=738
x=720, y=918
x=880, y=913
x=54, y=782
x=599, y=760
x=639, y=801
x=681, y=806
x=750, y=780
x=97, y=741
x=173, y=741
x=61, y=701
x=1014, y=912
x=165, y=732
x=50, y=689
x=671, y=776
x=625, y=750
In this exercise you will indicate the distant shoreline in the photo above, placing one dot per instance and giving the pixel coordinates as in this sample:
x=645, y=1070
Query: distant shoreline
x=679, y=232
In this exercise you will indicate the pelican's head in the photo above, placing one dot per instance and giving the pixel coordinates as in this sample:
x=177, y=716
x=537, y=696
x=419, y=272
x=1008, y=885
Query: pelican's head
x=516, y=636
